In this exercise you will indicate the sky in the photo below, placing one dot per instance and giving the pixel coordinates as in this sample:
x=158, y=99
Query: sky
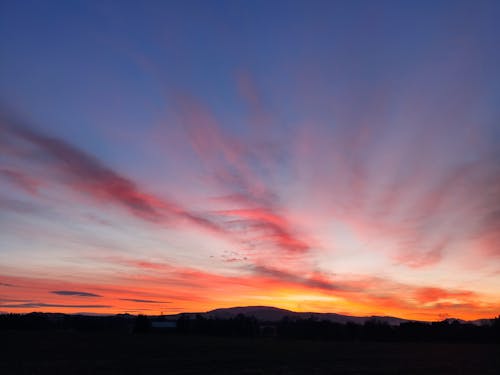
x=173, y=156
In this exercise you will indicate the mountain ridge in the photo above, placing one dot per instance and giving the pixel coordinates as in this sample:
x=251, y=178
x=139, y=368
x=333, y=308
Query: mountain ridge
x=274, y=314
x=269, y=313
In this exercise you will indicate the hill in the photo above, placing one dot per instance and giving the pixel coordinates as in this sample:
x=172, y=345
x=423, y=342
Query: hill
x=273, y=314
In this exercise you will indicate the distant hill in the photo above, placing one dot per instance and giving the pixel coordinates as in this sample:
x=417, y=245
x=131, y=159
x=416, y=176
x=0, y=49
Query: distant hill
x=272, y=314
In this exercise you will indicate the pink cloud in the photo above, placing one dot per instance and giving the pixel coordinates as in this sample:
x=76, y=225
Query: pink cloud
x=84, y=173
x=21, y=180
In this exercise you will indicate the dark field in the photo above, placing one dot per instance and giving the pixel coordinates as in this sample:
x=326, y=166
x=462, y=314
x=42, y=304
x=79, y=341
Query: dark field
x=100, y=353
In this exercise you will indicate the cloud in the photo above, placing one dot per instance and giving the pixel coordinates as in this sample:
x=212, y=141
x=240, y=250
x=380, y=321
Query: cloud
x=433, y=295
x=10, y=300
x=53, y=305
x=313, y=282
x=370, y=294
x=403, y=183
x=86, y=174
x=242, y=170
x=74, y=293
x=18, y=206
x=249, y=91
x=385, y=183
x=195, y=289
x=415, y=257
x=487, y=233
x=20, y=180
x=256, y=221
x=265, y=226
x=135, y=262
x=142, y=300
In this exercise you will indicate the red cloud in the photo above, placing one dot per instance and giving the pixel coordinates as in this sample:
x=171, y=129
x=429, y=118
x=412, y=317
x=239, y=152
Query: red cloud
x=240, y=169
x=266, y=226
x=181, y=286
x=425, y=295
x=84, y=173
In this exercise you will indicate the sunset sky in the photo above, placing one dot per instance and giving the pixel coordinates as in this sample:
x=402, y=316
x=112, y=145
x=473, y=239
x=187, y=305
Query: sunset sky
x=170, y=156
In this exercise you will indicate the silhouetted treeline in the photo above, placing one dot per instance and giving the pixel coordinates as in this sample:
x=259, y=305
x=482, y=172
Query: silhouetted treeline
x=43, y=321
x=372, y=330
x=244, y=326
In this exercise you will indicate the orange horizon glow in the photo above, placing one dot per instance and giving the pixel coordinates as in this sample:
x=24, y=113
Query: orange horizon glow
x=423, y=304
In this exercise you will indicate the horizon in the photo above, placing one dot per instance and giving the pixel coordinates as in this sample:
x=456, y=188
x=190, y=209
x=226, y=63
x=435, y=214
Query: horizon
x=97, y=314
x=325, y=156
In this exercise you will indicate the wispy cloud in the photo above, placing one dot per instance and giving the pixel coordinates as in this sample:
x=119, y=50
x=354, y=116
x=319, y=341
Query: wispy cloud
x=74, y=293
x=7, y=285
x=242, y=170
x=19, y=206
x=142, y=300
x=86, y=174
x=195, y=289
x=408, y=207
x=315, y=281
x=35, y=305
x=20, y=180
x=433, y=295
x=264, y=227
x=255, y=219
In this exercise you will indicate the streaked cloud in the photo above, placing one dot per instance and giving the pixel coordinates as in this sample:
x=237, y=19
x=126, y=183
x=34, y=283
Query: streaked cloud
x=74, y=293
x=36, y=305
x=142, y=300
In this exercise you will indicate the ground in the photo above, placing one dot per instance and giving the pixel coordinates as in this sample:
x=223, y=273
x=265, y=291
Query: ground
x=98, y=353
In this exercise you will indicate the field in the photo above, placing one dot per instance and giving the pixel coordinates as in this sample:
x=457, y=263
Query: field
x=99, y=353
